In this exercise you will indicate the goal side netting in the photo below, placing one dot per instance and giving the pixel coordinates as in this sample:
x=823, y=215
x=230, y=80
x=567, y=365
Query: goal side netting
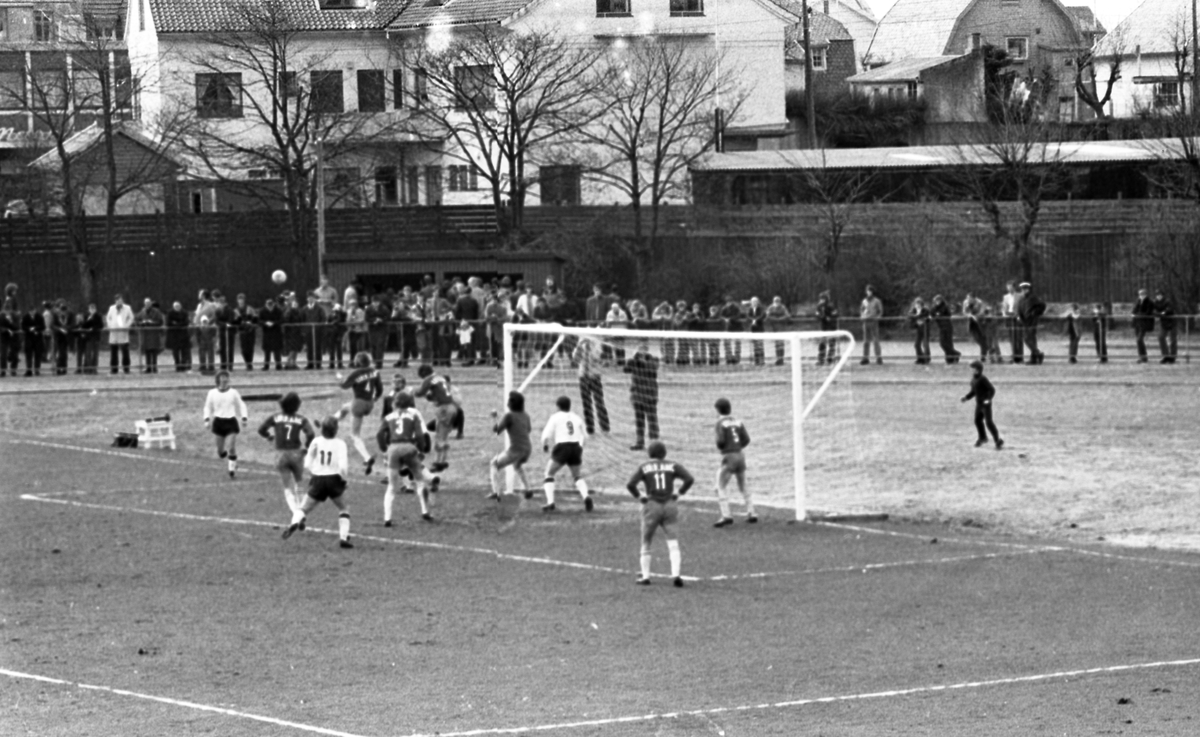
x=634, y=386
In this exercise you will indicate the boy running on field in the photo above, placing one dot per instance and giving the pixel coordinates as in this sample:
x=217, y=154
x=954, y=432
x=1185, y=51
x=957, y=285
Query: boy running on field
x=222, y=408
x=983, y=392
x=732, y=437
x=658, y=505
x=292, y=433
x=565, y=429
x=403, y=436
x=366, y=385
x=329, y=465
x=518, y=426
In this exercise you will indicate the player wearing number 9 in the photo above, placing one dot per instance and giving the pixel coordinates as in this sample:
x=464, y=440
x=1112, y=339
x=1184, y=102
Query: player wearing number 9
x=565, y=431
x=658, y=475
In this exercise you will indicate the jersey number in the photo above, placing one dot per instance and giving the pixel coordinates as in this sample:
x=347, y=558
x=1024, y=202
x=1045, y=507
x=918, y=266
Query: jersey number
x=660, y=481
x=326, y=457
x=570, y=428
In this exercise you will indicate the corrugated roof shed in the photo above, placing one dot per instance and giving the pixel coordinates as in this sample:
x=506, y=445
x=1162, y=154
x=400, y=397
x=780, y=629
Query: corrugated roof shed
x=206, y=16
x=905, y=70
x=932, y=157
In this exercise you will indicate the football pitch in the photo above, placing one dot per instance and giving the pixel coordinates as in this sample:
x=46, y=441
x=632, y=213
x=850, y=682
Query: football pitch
x=144, y=592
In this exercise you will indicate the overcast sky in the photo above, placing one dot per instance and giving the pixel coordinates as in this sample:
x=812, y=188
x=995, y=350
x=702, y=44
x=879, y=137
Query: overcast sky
x=1110, y=12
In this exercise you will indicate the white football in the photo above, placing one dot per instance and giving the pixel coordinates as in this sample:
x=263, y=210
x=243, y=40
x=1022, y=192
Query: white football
x=279, y=277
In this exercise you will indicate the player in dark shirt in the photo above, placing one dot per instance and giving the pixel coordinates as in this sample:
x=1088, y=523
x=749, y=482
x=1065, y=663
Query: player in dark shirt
x=366, y=386
x=983, y=392
x=518, y=426
x=291, y=432
x=658, y=475
x=732, y=438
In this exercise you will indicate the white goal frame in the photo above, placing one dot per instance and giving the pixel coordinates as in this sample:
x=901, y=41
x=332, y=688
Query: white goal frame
x=800, y=408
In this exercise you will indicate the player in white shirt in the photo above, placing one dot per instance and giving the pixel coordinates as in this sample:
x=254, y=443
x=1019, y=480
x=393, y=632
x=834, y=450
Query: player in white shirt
x=563, y=438
x=329, y=464
x=223, y=407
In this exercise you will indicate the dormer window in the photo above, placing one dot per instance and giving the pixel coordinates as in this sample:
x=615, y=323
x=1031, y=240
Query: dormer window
x=343, y=4
x=612, y=7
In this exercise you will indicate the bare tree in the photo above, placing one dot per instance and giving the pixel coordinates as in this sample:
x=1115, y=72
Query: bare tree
x=660, y=97
x=504, y=101
x=80, y=92
x=268, y=106
x=1087, y=82
x=836, y=192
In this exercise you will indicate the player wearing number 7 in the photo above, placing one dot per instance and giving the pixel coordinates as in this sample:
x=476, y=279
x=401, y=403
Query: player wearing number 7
x=658, y=505
x=565, y=430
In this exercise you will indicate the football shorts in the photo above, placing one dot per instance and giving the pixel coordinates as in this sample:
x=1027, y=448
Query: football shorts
x=445, y=419
x=291, y=460
x=512, y=457
x=361, y=407
x=404, y=455
x=734, y=462
x=326, y=487
x=567, y=454
x=656, y=514
x=225, y=426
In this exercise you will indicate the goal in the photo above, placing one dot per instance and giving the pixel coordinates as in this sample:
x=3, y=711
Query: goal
x=789, y=389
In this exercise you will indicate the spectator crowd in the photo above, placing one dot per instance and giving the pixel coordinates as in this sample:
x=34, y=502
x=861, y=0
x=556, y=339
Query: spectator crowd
x=464, y=319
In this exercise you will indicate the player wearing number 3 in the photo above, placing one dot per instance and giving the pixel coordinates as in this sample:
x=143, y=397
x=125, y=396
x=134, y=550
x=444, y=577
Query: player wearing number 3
x=658, y=505
x=329, y=464
x=732, y=437
x=565, y=430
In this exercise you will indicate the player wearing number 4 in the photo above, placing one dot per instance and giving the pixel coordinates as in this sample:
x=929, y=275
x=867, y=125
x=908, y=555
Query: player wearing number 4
x=731, y=439
x=329, y=465
x=516, y=423
x=983, y=392
x=222, y=408
x=292, y=434
x=366, y=386
x=565, y=430
x=658, y=505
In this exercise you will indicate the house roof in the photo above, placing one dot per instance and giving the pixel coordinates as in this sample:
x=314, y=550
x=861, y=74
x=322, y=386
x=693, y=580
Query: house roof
x=1086, y=19
x=821, y=29
x=915, y=28
x=1150, y=29
x=205, y=16
x=425, y=13
x=905, y=70
x=935, y=157
x=83, y=141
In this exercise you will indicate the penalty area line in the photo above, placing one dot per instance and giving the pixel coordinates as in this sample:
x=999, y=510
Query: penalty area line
x=897, y=693
x=178, y=702
x=132, y=456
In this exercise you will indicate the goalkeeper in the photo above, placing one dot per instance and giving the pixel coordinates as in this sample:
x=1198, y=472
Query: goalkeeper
x=658, y=505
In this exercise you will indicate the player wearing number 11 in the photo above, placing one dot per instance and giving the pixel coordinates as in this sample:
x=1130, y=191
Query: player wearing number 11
x=658, y=475
x=329, y=464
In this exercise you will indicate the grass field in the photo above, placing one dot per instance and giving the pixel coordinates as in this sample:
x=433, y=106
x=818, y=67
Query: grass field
x=1047, y=588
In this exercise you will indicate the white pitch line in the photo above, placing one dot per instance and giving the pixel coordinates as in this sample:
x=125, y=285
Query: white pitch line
x=1018, y=546
x=883, y=566
x=180, y=702
x=126, y=454
x=819, y=700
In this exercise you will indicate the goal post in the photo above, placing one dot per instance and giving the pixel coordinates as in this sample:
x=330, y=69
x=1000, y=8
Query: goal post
x=634, y=386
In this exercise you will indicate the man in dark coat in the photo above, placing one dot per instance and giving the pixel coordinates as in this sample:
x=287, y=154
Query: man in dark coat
x=246, y=319
x=378, y=316
x=731, y=313
x=1143, y=322
x=1167, y=341
x=1029, y=311
x=827, y=318
x=226, y=320
x=941, y=315
x=179, y=340
x=271, y=319
x=643, y=393
x=33, y=329
x=10, y=339
x=467, y=308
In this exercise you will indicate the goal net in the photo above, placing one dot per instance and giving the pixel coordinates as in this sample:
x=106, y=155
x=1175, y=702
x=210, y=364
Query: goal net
x=635, y=386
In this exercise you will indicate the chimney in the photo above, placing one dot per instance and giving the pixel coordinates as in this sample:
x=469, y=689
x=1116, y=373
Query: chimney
x=976, y=42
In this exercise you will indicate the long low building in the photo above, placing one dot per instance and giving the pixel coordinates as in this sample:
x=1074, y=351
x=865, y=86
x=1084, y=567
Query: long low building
x=1098, y=170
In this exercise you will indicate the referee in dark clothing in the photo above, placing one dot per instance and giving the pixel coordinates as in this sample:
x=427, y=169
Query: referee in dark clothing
x=983, y=391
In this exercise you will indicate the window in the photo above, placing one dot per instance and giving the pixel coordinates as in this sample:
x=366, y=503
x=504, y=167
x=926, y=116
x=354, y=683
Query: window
x=1066, y=109
x=433, y=185
x=387, y=186
x=343, y=187
x=12, y=89
x=420, y=87
x=687, y=7
x=560, y=185
x=412, y=181
x=43, y=26
x=910, y=89
x=475, y=87
x=327, y=92
x=1018, y=48
x=1166, y=94
x=108, y=29
x=371, y=92
x=612, y=7
x=397, y=88
x=464, y=178
x=48, y=78
x=288, y=86
x=343, y=4
x=219, y=95
x=3, y=24
x=820, y=59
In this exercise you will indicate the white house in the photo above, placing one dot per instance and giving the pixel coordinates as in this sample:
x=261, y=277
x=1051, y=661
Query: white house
x=1148, y=41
